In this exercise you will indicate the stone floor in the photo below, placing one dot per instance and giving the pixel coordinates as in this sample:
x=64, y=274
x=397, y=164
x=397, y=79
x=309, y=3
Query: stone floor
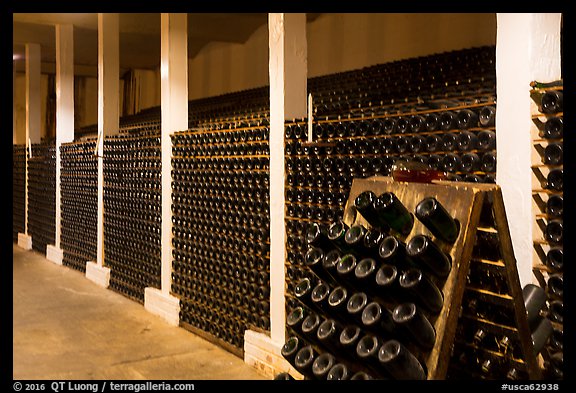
x=68, y=328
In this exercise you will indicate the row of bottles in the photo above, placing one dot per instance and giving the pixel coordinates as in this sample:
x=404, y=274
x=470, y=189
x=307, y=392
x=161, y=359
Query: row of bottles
x=548, y=197
x=220, y=217
x=19, y=156
x=132, y=211
x=42, y=195
x=368, y=296
x=79, y=202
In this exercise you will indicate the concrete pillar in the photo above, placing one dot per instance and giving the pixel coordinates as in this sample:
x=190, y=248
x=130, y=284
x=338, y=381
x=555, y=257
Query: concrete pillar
x=527, y=49
x=32, y=125
x=288, y=67
x=64, y=117
x=108, y=123
x=174, y=109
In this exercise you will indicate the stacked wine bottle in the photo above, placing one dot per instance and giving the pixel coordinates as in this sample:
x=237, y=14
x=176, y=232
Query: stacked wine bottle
x=42, y=195
x=220, y=213
x=79, y=204
x=370, y=295
x=548, y=194
x=18, y=190
x=132, y=211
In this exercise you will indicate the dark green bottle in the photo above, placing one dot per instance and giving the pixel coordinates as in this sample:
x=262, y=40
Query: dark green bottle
x=391, y=211
x=364, y=204
x=427, y=253
x=416, y=326
x=437, y=219
x=422, y=289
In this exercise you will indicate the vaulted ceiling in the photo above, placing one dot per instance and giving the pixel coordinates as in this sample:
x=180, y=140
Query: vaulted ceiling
x=139, y=36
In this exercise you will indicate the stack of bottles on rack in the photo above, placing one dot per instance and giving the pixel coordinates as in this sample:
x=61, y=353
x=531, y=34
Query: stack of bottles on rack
x=366, y=121
x=19, y=155
x=79, y=205
x=42, y=195
x=132, y=210
x=367, y=303
x=487, y=344
x=220, y=212
x=548, y=170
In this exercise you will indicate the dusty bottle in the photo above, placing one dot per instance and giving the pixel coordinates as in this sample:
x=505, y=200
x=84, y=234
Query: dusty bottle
x=304, y=360
x=422, y=289
x=378, y=319
x=422, y=249
x=322, y=365
x=415, y=324
x=400, y=362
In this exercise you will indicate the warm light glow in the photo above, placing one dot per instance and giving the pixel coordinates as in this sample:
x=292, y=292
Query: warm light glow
x=16, y=56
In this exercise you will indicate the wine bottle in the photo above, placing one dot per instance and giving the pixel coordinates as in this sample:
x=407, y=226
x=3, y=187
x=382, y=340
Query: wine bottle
x=555, y=286
x=337, y=301
x=432, y=122
x=554, y=231
x=329, y=335
x=354, y=239
x=387, y=286
x=450, y=162
x=467, y=141
x=319, y=296
x=392, y=251
x=317, y=236
x=553, y=154
x=365, y=274
x=448, y=120
x=555, y=259
x=349, y=338
x=322, y=365
x=417, y=123
x=400, y=362
x=470, y=162
x=557, y=339
x=367, y=351
x=330, y=262
x=437, y=219
x=554, y=180
x=377, y=319
x=290, y=348
x=283, y=376
x=553, y=128
x=486, y=140
x=552, y=102
x=372, y=240
x=304, y=360
x=393, y=213
x=541, y=334
x=554, y=206
x=467, y=118
x=303, y=292
x=423, y=290
x=449, y=141
x=361, y=376
x=487, y=116
x=488, y=162
x=314, y=259
x=346, y=268
x=356, y=304
x=336, y=233
x=417, y=327
x=338, y=372
x=295, y=319
x=534, y=300
x=310, y=327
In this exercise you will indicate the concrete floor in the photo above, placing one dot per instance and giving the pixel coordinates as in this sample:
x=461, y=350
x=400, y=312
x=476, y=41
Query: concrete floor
x=68, y=328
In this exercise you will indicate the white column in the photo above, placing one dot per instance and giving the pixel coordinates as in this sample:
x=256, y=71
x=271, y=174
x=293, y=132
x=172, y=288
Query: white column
x=527, y=49
x=64, y=117
x=108, y=123
x=288, y=67
x=32, y=125
x=174, y=110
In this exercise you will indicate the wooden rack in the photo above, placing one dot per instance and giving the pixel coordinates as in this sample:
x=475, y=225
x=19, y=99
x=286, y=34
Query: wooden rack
x=465, y=202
